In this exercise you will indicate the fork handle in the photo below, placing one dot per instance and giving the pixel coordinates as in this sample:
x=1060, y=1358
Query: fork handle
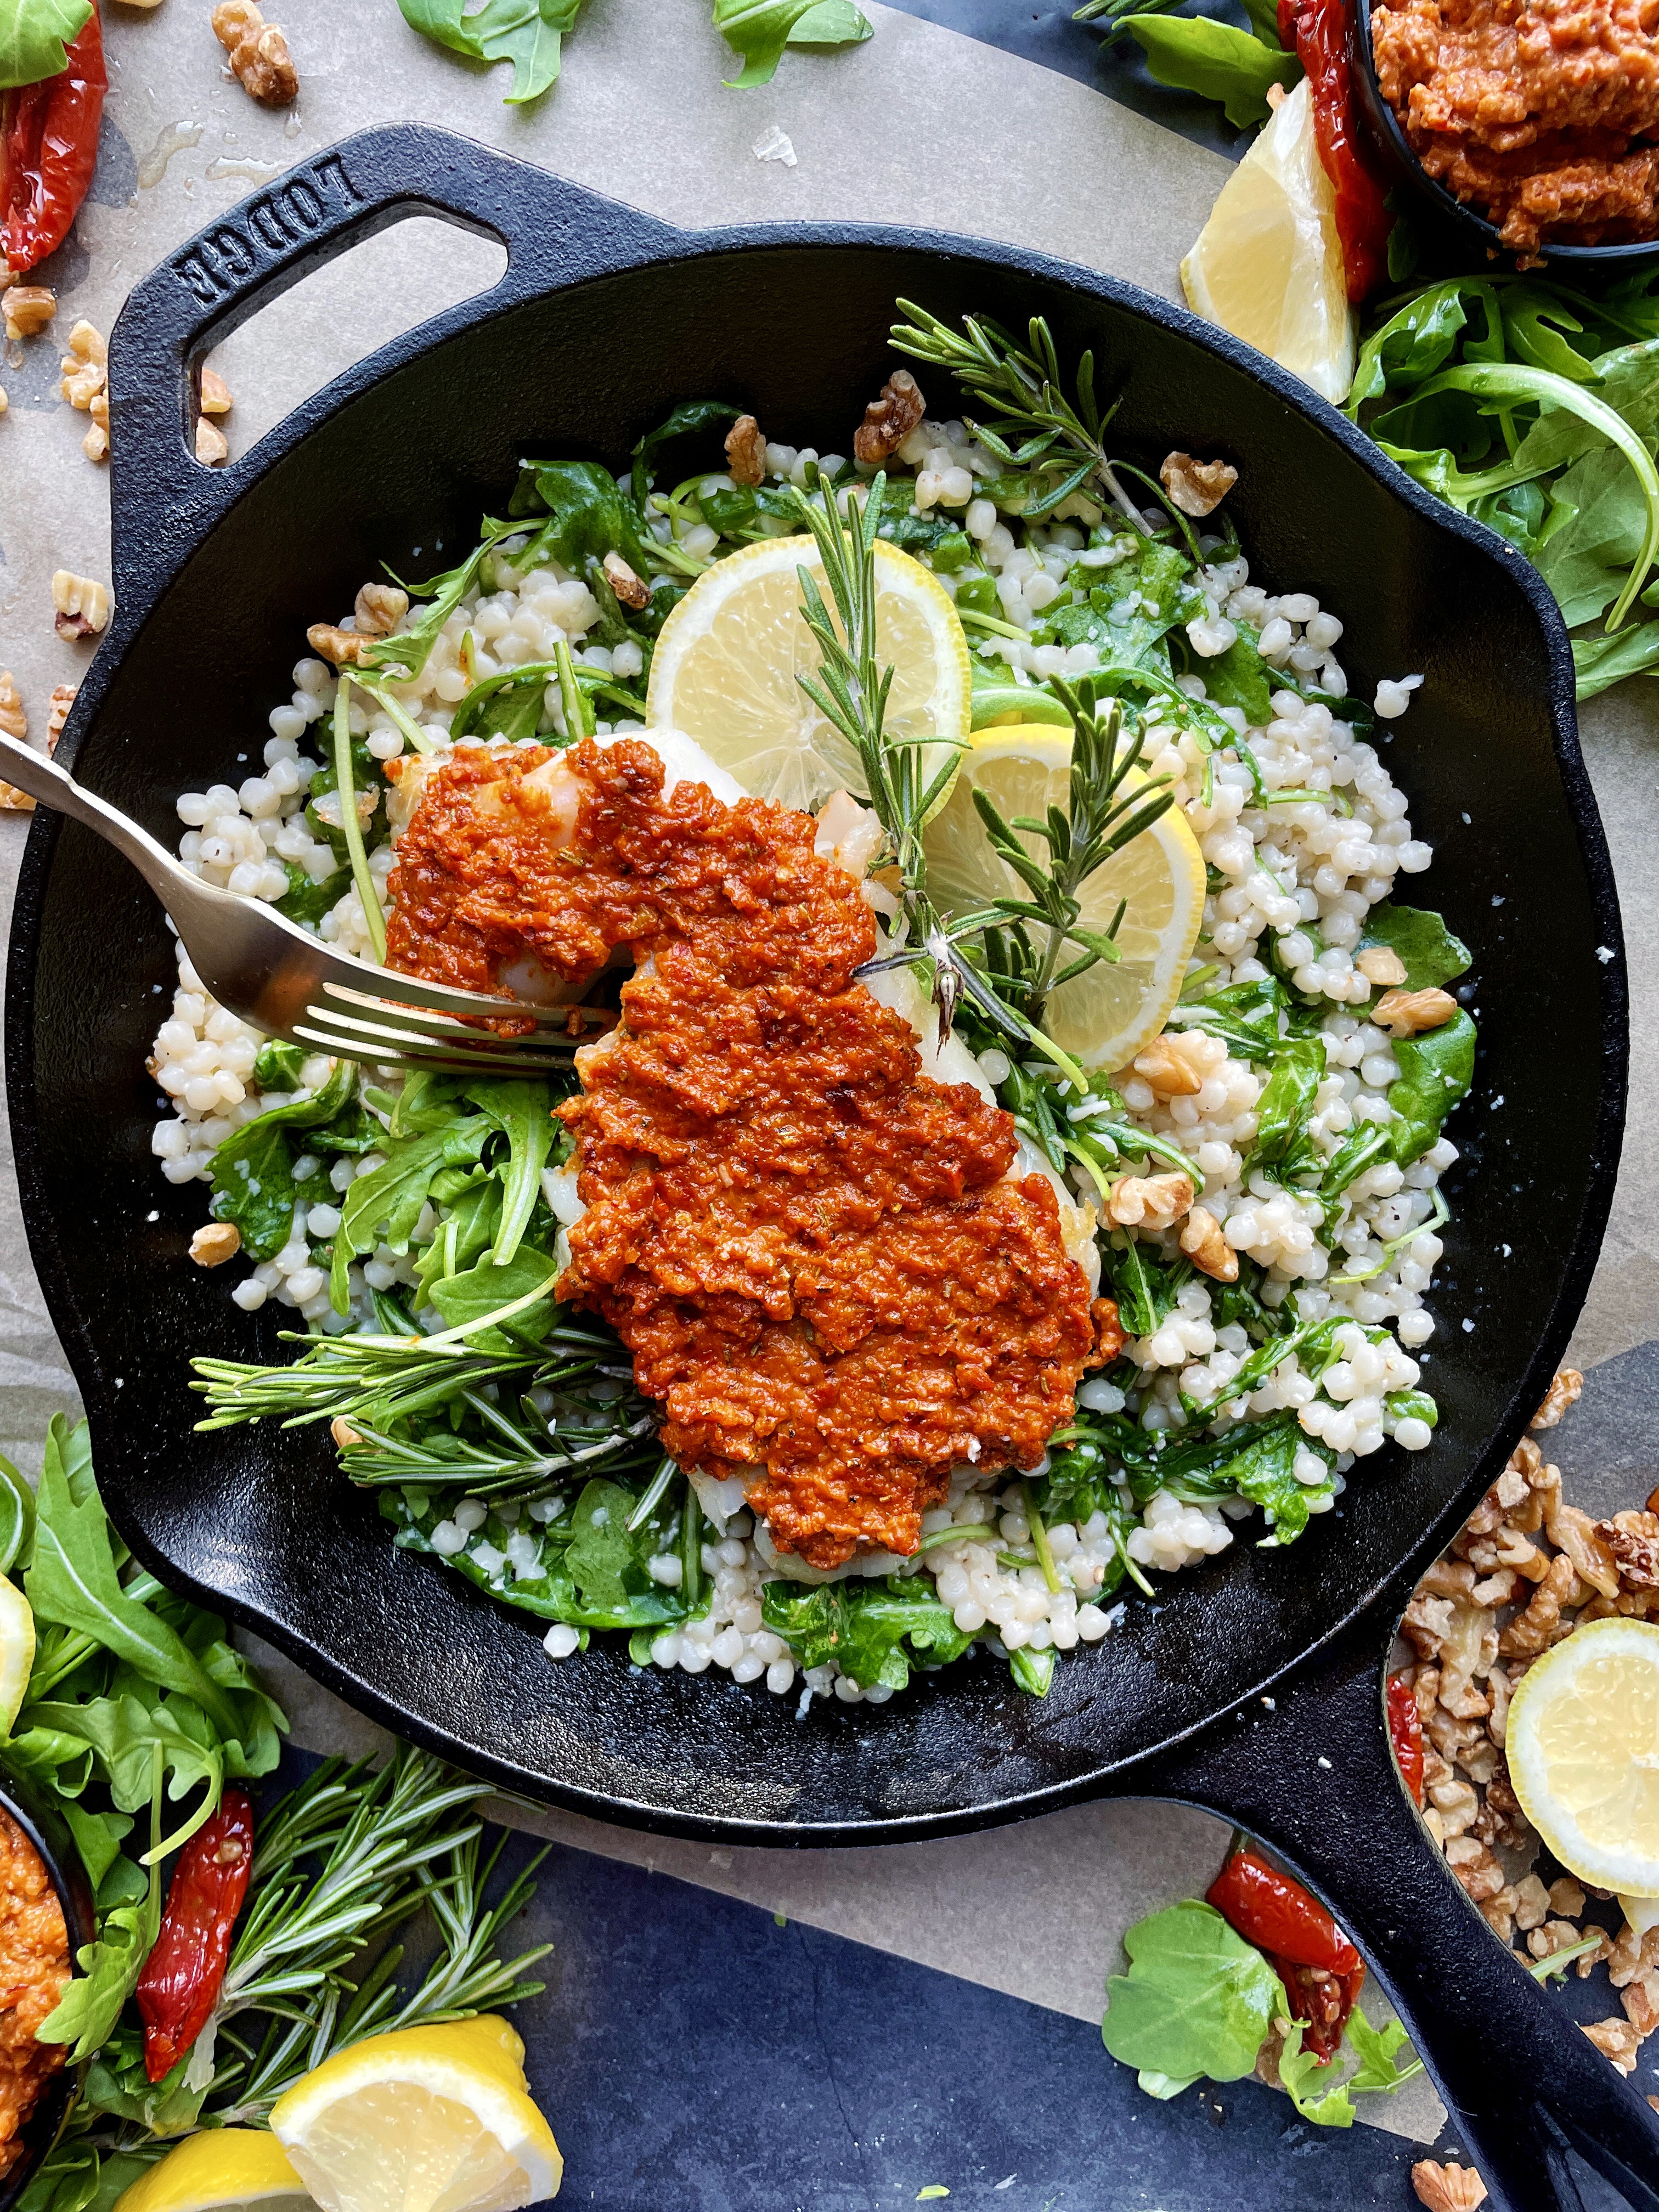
x=54, y=786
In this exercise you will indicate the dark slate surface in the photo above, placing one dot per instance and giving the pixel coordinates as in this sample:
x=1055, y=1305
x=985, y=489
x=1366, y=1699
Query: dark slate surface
x=1047, y=35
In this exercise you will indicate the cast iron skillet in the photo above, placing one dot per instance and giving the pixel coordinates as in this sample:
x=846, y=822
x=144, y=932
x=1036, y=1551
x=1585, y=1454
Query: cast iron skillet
x=1252, y=1685
x=48, y=1830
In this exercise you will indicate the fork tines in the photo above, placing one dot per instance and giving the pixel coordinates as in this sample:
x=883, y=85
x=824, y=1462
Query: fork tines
x=422, y=1007
x=396, y=1034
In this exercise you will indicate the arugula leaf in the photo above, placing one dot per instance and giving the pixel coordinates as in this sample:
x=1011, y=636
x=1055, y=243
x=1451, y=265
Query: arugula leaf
x=1196, y=53
x=1241, y=677
x=253, y=1171
x=98, y=1838
x=33, y=36
x=601, y=1552
x=1419, y=337
x=277, y=1066
x=124, y=1733
x=1298, y=2070
x=1264, y=1471
x=526, y=33
x=74, y=1581
x=387, y=1203
x=402, y=656
x=1432, y=955
x=88, y=2011
x=1033, y=1671
x=1288, y=1100
x=522, y=1112
x=865, y=1626
x=588, y=515
x=464, y=1300
x=1436, y=1071
x=1197, y=1999
x=1143, y=1284
x=117, y=2083
x=1602, y=661
x=1376, y=2049
x=306, y=901
x=52, y=1759
x=759, y=30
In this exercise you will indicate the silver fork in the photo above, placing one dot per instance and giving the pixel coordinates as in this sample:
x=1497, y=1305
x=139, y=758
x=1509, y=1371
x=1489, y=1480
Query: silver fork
x=269, y=971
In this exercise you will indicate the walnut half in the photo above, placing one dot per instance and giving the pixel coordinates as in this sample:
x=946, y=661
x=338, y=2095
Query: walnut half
x=82, y=605
x=27, y=309
x=745, y=451
x=1202, y=1241
x=1197, y=487
x=260, y=58
x=1408, y=1013
x=1156, y=1200
x=889, y=420
x=215, y=1242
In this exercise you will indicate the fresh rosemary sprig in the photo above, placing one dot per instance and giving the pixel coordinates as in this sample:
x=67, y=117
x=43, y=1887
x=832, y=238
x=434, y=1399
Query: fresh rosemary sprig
x=1107, y=812
x=1038, y=426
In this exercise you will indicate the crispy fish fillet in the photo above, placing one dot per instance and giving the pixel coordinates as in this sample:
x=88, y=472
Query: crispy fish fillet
x=817, y=1253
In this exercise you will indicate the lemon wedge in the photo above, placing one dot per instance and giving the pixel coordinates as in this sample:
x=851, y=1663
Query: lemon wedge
x=16, y=1651
x=1583, y=1744
x=725, y=667
x=1268, y=266
x=221, y=2169
x=424, y=2118
x=1104, y=1015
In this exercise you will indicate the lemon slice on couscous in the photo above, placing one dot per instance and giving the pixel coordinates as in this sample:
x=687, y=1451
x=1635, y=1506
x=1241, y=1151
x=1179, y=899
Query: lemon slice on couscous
x=725, y=667
x=424, y=2118
x=221, y=2169
x=16, y=1651
x=1106, y=1015
x=1268, y=266
x=1583, y=1743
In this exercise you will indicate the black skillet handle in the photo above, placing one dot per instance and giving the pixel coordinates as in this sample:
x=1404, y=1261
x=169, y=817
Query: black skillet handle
x=555, y=233
x=1315, y=1779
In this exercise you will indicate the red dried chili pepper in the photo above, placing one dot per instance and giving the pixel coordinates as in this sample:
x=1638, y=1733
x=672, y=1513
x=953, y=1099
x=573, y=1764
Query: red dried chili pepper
x=179, y=1985
x=1321, y=1971
x=1406, y=1735
x=1318, y=32
x=48, y=150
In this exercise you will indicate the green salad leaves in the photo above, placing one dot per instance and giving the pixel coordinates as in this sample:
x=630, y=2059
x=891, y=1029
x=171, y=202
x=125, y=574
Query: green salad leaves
x=526, y=33
x=34, y=35
x=759, y=30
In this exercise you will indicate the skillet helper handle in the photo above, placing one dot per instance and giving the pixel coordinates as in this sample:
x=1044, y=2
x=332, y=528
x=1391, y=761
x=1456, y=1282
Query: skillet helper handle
x=555, y=233
x=1315, y=1780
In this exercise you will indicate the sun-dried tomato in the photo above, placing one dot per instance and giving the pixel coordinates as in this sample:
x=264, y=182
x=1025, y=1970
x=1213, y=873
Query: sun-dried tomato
x=1406, y=1735
x=1321, y=1971
x=185, y=1970
x=48, y=150
x=1316, y=31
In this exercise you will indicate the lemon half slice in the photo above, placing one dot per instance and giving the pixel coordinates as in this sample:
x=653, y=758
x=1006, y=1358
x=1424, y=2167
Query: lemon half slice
x=1268, y=266
x=1104, y=1017
x=1583, y=1743
x=16, y=1651
x=425, y=2119
x=221, y=2169
x=725, y=667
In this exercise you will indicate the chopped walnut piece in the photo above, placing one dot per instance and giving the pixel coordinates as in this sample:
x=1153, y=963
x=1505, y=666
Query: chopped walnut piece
x=13, y=720
x=1540, y=1626
x=378, y=609
x=889, y=421
x=212, y=447
x=95, y=444
x=1641, y=2003
x=1567, y=1898
x=1633, y=1541
x=626, y=582
x=1197, y=487
x=342, y=647
x=1532, y=1903
x=1166, y=1069
x=1109, y=1333
x=1449, y=1578
x=260, y=58
x=1380, y=966
x=4, y=402
x=215, y=398
x=214, y=1244
x=1475, y=1866
x=62, y=698
x=1202, y=1241
x=82, y=605
x=1157, y=1200
x=1616, y=2040
x=1408, y=1013
x=1564, y=1391
x=27, y=309
x=1573, y=1532
x=1447, y=2188
x=745, y=451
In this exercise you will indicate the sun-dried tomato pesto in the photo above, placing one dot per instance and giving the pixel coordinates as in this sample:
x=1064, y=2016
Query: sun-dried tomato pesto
x=34, y=1966
x=816, y=1252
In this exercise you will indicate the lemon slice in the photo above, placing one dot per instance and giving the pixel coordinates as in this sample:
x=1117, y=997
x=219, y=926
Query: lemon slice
x=16, y=1651
x=220, y=2171
x=425, y=2119
x=1268, y=266
x=725, y=667
x=1583, y=1744
x=1104, y=1017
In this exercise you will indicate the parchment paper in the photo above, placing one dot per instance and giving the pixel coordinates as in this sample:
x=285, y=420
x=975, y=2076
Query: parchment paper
x=920, y=125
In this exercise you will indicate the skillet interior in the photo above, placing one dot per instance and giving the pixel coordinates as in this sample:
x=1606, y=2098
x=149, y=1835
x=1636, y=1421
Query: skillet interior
x=400, y=471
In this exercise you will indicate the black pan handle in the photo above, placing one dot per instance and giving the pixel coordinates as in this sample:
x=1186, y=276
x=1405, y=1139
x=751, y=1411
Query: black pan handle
x=1313, y=1777
x=555, y=233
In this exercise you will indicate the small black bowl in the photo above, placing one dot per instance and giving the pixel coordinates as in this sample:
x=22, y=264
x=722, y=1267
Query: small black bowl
x=1446, y=215
x=49, y=1833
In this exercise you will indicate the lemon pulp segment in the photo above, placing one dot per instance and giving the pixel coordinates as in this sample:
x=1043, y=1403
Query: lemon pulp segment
x=1106, y=1015
x=726, y=667
x=1583, y=1743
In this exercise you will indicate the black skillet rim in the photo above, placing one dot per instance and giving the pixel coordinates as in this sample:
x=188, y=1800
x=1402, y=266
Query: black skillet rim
x=49, y=1835
x=1572, y=1270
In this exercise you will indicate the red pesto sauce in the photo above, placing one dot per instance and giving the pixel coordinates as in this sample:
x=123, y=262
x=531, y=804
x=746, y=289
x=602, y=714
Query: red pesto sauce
x=811, y=1249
